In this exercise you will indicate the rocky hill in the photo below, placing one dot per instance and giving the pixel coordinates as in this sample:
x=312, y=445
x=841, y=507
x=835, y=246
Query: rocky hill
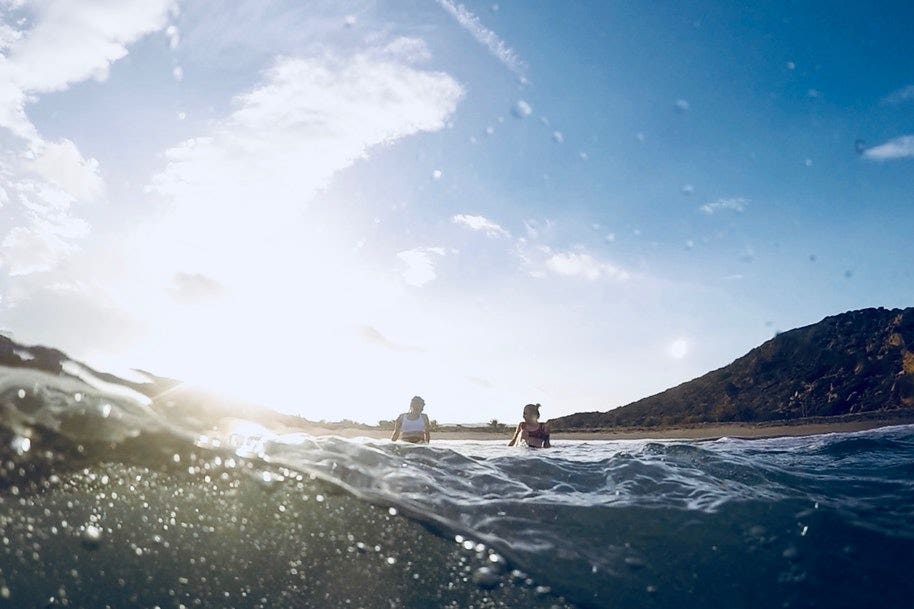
x=856, y=362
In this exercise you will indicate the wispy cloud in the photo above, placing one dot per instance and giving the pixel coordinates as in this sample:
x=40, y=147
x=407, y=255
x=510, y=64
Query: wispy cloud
x=34, y=63
x=60, y=43
x=486, y=37
x=195, y=287
x=481, y=382
x=584, y=266
x=310, y=118
x=901, y=147
x=480, y=223
x=902, y=95
x=420, y=265
x=737, y=204
x=373, y=335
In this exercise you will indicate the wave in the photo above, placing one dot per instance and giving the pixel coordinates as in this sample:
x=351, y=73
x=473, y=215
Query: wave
x=129, y=485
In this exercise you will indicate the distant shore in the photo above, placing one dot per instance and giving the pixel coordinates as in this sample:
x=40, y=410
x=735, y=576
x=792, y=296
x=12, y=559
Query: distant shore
x=698, y=432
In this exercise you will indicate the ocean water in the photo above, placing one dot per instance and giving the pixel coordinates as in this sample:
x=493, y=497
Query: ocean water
x=108, y=500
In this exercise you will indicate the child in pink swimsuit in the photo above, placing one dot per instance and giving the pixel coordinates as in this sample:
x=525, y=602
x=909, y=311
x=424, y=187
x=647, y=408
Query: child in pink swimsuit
x=530, y=430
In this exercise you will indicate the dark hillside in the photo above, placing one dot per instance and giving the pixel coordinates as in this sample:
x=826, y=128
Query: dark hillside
x=861, y=361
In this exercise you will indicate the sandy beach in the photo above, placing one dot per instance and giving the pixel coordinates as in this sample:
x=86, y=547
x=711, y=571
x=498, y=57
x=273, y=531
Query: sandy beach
x=703, y=432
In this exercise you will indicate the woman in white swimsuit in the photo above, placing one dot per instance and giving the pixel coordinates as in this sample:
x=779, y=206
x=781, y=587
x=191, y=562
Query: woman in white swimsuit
x=413, y=426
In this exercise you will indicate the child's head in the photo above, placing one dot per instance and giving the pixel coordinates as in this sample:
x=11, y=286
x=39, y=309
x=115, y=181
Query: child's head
x=416, y=404
x=531, y=412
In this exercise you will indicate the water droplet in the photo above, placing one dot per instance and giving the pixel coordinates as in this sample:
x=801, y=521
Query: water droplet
x=558, y=137
x=682, y=105
x=392, y=511
x=687, y=189
x=468, y=545
x=105, y=410
x=21, y=393
x=490, y=130
x=791, y=65
x=436, y=175
x=391, y=560
x=91, y=537
x=21, y=444
x=497, y=562
x=521, y=109
x=486, y=578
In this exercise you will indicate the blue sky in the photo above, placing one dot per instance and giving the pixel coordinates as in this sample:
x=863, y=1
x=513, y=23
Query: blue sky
x=331, y=207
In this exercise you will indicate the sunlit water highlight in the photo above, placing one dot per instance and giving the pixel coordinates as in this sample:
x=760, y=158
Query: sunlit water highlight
x=105, y=500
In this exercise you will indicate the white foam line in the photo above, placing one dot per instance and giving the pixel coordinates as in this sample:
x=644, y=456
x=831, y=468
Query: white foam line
x=485, y=36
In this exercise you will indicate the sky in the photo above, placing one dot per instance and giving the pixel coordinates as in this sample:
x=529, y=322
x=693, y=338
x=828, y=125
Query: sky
x=329, y=207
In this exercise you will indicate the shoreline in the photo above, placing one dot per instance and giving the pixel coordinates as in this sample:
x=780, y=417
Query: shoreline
x=704, y=432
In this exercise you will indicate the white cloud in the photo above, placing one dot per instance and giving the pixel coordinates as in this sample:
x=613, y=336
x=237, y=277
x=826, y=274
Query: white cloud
x=373, y=335
x=582, y=265
x=61, y=163
x=541, y=260
x=195, y=287
x=902, y=95
x=480, y=223
x=420, y=265
x=310, y=118
x=901, y=147
x=70, y=42
x=40, y=246
x=737, y=204
x=486, y=37
x=61, y=43
x=407, y=49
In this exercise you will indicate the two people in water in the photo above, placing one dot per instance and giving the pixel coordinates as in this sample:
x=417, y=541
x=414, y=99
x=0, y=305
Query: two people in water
x=413, y=426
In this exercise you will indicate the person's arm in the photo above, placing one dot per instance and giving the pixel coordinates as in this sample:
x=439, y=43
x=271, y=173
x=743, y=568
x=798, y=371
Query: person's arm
x=513, y=441
x=396, y=433
x=428, y=435
x=546, y=443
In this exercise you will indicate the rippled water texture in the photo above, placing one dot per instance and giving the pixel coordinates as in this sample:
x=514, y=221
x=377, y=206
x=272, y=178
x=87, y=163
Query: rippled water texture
x=110, y=498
